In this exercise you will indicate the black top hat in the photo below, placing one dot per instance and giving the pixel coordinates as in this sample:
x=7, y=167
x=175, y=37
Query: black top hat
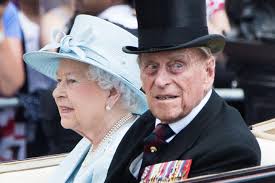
x=172, y=24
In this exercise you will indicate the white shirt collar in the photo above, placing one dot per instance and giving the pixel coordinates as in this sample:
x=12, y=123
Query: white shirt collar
x=182, y=123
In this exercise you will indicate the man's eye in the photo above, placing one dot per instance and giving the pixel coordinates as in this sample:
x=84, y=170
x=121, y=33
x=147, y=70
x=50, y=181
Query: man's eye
x=176, y=67
x=151, y=68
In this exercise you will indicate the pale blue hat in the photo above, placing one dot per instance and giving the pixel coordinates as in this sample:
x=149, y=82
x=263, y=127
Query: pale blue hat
x=97, y=42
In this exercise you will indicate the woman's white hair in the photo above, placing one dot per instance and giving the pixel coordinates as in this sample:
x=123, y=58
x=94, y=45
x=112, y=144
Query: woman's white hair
x=107, y=81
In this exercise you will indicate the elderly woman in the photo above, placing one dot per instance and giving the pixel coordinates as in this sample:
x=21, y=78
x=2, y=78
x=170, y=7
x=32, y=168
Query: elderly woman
x=97, y=93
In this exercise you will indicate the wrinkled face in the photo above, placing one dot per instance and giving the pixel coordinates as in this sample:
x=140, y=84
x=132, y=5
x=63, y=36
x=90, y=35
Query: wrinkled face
x=176, y=81
x=80, y=101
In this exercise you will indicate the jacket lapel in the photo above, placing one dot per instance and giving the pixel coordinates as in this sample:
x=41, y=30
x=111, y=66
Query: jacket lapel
x=130, y=146
x=71, y=162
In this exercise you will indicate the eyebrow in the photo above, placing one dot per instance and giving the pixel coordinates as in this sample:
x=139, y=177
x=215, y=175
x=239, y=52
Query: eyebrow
x=66, y=74
x=180, y=57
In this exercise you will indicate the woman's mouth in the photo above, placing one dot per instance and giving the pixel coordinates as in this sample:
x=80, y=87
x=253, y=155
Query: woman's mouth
x=65, y=110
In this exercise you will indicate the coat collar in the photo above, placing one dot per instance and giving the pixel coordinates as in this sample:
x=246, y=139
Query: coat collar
x=67, y=167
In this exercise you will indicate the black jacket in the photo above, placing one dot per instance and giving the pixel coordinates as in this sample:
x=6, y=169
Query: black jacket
x=216, y=140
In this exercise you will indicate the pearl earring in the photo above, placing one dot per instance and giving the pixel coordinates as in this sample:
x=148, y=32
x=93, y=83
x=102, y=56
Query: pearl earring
x=108, y=108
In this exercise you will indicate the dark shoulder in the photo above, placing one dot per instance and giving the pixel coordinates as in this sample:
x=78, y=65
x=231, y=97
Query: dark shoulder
x=228, y=123
x=226, y=144
x=229, y=133
x=143, y=124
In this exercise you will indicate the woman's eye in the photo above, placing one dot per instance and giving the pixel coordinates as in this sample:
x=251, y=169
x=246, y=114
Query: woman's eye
x=58, y=81
x=71, y=81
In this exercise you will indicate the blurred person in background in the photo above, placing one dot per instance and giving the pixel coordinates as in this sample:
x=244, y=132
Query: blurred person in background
x=98, y=93
x=123, y=15
x=218, y=22
x=62, y=17
x=12, y=80
x=29, y=18
x=11, y=51
x=26, y=125
x=45, y=134
x=250, y=55
x=55, y=20
x=120, y=12
x=95, y=7
x=47, y=5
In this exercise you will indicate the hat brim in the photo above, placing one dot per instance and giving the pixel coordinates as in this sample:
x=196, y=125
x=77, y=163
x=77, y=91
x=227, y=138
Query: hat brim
x=47, y=63
x=215, y=42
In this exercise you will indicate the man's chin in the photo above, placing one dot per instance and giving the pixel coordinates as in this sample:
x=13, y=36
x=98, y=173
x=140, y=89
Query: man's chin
x=167, y=118
x=67, y=124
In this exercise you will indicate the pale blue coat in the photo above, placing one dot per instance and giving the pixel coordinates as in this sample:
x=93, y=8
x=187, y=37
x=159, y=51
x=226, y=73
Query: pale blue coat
x=98, y=168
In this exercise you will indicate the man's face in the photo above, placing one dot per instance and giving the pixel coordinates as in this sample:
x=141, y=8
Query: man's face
x=176, y=81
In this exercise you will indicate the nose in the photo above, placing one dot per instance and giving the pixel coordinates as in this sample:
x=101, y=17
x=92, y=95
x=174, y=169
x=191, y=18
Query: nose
x=163, y=78
x=59, y=92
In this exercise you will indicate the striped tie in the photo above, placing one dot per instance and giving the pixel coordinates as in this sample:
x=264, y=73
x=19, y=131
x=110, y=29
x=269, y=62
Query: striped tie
x=153, y=143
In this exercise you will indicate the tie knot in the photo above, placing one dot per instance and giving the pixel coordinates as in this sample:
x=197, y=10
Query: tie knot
x=163, y=131
x=154, y=142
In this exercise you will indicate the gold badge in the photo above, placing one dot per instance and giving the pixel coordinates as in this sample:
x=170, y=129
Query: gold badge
x=153, y=149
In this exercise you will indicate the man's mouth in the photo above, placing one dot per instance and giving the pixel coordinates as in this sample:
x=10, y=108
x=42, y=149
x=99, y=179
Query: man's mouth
x=166, y=97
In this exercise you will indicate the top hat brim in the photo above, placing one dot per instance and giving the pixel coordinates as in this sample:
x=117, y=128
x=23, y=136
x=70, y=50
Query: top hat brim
x=214, y=42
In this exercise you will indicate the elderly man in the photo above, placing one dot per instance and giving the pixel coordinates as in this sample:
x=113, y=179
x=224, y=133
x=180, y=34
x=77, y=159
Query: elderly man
x=189, y=129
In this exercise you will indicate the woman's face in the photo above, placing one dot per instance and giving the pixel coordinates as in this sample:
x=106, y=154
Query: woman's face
x=80, y=101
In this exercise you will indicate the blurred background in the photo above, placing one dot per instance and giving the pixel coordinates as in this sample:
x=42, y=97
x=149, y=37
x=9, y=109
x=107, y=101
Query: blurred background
x=29, y=120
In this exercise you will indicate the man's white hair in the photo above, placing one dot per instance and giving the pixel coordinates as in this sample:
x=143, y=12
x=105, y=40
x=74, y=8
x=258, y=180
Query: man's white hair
x=107, y=81
x=206, y=51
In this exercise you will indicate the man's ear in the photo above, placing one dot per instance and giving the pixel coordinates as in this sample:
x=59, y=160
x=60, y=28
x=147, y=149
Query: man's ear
x=210, y=71
x=211, y=67
x=113, y=97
